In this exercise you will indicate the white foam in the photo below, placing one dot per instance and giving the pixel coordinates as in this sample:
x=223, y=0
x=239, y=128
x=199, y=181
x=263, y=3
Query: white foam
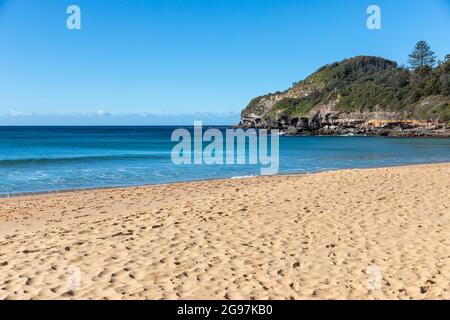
x=243, y=177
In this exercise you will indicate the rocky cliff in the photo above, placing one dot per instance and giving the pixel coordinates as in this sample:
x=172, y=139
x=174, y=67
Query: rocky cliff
x=361, y=96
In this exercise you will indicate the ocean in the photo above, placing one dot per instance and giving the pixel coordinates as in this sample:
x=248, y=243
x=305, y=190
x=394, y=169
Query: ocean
x=46, y=159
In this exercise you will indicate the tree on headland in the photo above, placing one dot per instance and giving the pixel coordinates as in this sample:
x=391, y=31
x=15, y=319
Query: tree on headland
x=422, y=56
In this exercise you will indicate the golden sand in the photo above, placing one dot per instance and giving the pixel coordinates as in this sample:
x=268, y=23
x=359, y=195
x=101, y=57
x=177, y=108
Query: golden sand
x=351, y=234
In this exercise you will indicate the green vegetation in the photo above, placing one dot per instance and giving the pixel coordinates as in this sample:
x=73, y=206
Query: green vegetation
x=421, y=56
x=365, y=84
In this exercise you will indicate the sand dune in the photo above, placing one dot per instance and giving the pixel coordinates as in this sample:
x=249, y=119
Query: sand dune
x=351, y=234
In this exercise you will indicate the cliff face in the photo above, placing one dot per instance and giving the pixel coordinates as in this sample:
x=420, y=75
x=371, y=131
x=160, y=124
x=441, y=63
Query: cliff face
x=362, y=95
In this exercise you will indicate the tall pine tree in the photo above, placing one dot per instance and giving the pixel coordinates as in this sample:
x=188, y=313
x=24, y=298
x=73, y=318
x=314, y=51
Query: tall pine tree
x=422, y=56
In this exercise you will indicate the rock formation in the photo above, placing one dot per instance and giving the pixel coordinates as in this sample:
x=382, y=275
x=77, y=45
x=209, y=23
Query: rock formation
x=359, y=96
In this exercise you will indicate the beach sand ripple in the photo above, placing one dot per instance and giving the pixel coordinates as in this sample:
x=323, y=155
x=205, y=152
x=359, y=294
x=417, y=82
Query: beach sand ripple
x=351, y=234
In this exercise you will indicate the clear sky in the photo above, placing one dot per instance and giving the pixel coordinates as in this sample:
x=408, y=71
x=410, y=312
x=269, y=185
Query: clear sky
x=187, y=56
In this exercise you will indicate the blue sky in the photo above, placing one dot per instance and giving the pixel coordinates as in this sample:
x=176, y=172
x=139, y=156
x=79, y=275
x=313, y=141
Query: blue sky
x=190, y=56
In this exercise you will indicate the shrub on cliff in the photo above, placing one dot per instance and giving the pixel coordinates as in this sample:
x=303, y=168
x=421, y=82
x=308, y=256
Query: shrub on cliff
x=365, y=84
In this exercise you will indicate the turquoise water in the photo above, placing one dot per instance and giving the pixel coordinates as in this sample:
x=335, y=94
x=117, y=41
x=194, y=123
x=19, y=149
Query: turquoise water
x=42, y=159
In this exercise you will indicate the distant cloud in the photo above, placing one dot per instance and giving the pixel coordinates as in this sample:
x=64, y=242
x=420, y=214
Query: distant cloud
x=101, y=113
x=14, y=113
x=101, y=117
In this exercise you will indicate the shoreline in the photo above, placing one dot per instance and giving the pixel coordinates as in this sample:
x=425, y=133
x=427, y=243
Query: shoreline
x=310, y=236
x=445, y=134
x=63, y=191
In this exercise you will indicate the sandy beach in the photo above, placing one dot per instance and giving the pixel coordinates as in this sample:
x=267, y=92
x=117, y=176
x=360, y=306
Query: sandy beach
x=351, y=234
